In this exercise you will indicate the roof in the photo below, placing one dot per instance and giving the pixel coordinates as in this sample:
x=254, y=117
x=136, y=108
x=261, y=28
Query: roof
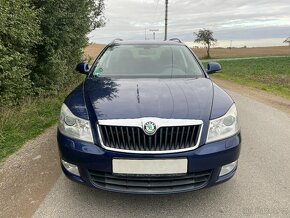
x=146, y=42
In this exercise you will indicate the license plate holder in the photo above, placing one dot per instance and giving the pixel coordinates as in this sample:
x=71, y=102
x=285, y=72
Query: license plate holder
x=149, y=166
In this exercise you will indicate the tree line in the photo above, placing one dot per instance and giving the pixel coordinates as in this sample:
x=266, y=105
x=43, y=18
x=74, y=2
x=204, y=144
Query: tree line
x=41, y=41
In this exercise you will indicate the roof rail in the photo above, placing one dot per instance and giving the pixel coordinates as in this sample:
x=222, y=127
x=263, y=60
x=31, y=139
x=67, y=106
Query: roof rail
x=176, y=40
x=115, y=40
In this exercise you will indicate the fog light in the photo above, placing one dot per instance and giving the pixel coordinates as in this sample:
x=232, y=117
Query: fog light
x=228, y=168
x=71, y=168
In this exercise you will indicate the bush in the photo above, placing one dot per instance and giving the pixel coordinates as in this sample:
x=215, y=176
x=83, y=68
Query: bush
x=64, y=26
x=19, y=33
x=41, y=41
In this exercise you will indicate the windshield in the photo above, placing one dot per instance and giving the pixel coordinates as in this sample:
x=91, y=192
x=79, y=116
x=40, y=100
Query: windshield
x=147, y=61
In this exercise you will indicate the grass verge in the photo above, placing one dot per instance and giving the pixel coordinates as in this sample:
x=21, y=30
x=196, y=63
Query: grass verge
x=22, y=123
x=269, y=74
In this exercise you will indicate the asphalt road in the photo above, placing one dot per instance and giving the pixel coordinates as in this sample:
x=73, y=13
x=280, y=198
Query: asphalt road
x=261, y=187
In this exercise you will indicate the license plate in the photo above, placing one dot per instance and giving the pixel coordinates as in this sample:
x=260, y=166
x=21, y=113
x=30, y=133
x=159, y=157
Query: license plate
x=150, y=167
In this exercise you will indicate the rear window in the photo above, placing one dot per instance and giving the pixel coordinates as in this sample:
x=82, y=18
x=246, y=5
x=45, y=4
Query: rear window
x=147, y=61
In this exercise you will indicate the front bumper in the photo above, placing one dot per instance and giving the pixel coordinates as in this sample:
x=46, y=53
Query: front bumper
x=95, y=167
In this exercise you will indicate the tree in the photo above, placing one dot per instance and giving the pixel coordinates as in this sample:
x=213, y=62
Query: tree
x=287, y=41
x=205, y=37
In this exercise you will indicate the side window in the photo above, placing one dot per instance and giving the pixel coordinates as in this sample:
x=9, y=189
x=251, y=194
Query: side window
x=191, y=63
x=179, y=60
x=102, y=64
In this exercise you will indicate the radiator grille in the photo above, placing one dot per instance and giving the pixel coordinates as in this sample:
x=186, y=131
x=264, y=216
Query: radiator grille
x=134, y=139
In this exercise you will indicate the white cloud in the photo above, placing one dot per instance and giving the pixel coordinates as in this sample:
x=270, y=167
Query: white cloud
x=246, y=20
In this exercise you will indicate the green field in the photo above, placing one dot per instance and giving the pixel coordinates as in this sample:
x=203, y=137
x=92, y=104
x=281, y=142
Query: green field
x=269, y=74
x=21, y=123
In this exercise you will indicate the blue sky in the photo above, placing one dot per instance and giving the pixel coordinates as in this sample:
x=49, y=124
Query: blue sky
x=247, y=22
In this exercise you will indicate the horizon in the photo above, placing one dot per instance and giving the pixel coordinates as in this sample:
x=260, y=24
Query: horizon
x=199, y=46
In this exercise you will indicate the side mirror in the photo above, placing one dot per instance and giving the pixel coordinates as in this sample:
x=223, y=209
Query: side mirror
x=83, y=68
x=213, y=67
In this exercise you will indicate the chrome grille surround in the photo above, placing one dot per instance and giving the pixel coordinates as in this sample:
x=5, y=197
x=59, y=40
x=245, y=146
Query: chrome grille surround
x=160, y=122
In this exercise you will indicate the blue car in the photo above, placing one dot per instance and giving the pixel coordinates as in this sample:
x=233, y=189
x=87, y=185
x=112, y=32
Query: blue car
x=148, y=120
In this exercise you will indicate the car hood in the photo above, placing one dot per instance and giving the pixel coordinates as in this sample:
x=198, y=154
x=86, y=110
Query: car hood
x=138, y=98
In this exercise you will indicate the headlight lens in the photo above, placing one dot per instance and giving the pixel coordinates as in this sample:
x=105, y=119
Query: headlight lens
x=73, y=126
x=224, y=126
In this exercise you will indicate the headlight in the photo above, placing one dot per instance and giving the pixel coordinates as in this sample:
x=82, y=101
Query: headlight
x=73, y=126
x=224, y=126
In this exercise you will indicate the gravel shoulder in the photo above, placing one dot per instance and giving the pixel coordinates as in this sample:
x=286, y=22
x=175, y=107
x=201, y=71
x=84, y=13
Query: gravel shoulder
x=27, y=176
